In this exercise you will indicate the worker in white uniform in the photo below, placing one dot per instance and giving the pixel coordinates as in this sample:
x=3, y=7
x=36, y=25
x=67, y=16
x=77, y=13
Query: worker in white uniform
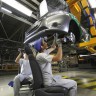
x=25, y=72
x=45, y=60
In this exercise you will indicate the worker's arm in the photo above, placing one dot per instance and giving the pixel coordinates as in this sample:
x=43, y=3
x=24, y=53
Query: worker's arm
x=58, y=56
x=53, y=47
x=18, y=57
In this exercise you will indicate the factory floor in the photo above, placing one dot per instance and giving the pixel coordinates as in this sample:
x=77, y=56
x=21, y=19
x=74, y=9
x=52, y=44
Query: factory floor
x=85, y=78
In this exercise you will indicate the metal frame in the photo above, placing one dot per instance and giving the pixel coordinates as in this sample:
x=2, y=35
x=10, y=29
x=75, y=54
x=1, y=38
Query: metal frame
x=35, y=1
x=18, y=18
x=24, y=1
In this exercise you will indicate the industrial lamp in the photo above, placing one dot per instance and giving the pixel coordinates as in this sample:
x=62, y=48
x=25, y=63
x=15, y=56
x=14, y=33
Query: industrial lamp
x=18, y=6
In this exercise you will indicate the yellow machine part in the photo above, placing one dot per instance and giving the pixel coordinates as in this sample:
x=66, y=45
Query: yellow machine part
x=72, y=2
x=76, y=10
x=89, y=45
x=92, y=29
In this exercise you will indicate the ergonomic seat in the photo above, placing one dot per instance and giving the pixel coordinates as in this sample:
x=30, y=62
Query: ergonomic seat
x=38, y=85
x=26, y=83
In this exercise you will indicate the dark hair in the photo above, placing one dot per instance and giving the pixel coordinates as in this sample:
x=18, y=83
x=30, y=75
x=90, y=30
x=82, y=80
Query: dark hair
x=27, y=50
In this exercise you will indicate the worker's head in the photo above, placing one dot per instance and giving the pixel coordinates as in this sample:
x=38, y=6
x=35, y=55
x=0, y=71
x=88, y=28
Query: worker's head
x=26, y=51
x=40, y=45
x=25, y=56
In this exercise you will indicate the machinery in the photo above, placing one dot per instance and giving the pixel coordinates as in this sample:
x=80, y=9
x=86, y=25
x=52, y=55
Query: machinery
x=61, y=22
x=80, y=8
x=67, y=26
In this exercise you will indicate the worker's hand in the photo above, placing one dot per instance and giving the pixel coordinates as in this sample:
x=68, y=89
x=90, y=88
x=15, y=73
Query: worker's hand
x=53, y=46
x=20, y=50
x=58, y=42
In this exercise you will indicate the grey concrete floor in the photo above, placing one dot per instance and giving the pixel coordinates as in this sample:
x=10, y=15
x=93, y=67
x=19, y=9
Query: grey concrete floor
x=6, y=90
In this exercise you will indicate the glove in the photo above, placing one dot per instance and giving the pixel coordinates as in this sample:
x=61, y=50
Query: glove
x=20, y=50
x=58, y=42
x=53, y=44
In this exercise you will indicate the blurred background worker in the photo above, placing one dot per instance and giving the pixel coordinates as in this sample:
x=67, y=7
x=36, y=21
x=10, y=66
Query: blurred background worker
x=25, y=71
x=45, y=60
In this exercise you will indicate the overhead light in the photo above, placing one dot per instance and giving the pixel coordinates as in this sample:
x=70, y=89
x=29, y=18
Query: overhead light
x=43, y=8
x=95, y=15
x=83, y=55
x=18, y=6
x=92, y=3
x=2, y=8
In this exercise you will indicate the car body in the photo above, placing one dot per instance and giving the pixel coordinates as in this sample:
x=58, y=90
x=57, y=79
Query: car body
x=63, y=23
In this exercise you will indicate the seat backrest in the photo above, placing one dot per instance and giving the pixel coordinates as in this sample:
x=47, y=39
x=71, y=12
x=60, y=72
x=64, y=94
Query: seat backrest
x=37, y=73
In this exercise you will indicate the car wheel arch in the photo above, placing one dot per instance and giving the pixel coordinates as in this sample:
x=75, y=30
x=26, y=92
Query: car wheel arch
x=74, y=28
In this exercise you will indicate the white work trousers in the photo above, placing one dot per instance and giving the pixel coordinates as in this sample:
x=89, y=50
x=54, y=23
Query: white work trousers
x=17, y=80
x=67, y=83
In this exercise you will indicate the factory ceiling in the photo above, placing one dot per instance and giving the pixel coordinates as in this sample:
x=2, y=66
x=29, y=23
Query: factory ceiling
x=14, y=25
